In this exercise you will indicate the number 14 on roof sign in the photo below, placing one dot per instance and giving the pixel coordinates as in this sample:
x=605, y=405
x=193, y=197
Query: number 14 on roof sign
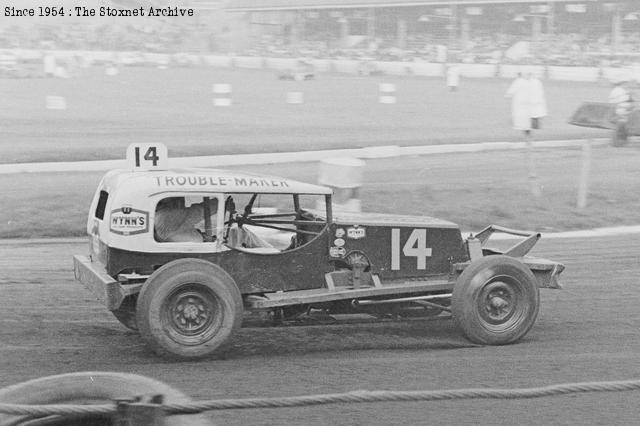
x=147, y=156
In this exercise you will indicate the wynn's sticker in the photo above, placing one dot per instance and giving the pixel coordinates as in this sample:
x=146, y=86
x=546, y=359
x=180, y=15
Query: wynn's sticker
x=128, y=221
x=337, y=251
x=339, y=233
x=356, y=233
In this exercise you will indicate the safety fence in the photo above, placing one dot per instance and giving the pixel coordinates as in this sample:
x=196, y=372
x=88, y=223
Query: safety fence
x=371, y=152
x=347, y=66
x=361, y=396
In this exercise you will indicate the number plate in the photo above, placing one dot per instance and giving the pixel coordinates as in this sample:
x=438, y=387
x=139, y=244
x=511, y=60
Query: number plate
x=147, y=156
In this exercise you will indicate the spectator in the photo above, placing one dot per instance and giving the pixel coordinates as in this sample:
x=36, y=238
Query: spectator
x=453, y=77
x=621, y=97
x=528, y=104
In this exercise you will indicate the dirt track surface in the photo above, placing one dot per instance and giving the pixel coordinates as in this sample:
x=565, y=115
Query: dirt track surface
x=586, y=332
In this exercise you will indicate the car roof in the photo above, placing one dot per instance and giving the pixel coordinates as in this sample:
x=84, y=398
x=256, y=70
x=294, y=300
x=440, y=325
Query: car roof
x=206, y=180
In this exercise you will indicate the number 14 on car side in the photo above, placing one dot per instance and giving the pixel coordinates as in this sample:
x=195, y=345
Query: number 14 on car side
x=414, y=246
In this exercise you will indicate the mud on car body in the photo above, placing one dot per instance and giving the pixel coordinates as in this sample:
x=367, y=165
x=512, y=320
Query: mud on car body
x=274, y=245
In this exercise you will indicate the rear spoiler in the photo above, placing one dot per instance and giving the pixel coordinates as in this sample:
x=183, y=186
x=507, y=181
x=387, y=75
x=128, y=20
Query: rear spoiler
x=518, y=250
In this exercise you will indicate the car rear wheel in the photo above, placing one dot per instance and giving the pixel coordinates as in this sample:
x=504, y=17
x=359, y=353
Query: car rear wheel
x=495, y=300
x=189, y=308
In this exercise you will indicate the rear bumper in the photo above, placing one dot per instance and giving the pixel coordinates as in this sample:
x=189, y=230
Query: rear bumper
x=546, y=271
x=94, y=277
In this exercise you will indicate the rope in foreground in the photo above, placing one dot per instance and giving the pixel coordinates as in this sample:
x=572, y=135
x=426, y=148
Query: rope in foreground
x=361, y=396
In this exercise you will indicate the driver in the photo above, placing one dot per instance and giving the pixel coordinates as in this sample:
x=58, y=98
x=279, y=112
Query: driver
x=176, y=223
x=238, y=233
x=245, y=237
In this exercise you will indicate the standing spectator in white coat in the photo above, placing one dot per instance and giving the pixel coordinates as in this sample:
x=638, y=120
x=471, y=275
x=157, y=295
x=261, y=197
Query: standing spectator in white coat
x=528, y=103
x=528, y=106
x=622, y=98
x=453, y=77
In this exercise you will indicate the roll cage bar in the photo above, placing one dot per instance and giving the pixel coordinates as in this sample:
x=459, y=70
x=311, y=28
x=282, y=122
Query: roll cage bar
x=274, y=220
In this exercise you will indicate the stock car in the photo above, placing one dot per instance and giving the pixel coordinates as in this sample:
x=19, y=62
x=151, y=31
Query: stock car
x=188, y=298
x=301, y=70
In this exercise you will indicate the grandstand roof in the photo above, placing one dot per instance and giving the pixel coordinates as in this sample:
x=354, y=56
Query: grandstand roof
x=261, y=5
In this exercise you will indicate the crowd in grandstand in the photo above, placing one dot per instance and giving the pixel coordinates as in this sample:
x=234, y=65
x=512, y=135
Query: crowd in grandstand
x=561, y=49
x=125, y=37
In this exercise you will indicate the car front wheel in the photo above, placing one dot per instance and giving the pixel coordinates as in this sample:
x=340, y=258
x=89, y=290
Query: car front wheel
x=188, y=309
x=495, y=300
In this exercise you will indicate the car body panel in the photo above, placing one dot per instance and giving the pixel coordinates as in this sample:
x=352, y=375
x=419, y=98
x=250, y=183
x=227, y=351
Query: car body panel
x=351, y=251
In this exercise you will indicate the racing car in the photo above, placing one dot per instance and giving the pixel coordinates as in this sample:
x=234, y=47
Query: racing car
x=302, y=70
x=623, y=121
x=274, y=246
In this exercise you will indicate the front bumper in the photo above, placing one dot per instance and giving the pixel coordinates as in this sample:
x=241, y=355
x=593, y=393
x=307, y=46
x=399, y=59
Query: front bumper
x=94, y=277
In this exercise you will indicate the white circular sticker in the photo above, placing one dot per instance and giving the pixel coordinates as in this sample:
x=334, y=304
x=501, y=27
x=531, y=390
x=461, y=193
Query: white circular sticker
x=339, y=242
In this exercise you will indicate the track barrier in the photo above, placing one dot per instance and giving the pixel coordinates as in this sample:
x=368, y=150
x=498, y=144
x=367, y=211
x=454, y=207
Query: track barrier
x=360, y=396
x=300, y=156
x=400, y=68
x=221, y=95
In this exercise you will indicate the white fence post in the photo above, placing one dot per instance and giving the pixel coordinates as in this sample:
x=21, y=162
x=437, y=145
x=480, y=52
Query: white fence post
x=533, y=176
x=583, y=185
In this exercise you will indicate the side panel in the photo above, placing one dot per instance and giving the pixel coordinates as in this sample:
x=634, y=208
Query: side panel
x=299, y=269
x=397, y=252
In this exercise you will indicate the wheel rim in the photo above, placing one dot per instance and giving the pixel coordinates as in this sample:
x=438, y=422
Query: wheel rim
x=501, y=305
x=193, y=314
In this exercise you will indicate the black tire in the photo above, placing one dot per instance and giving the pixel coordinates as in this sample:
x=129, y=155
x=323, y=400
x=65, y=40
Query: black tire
x=91, y=388
x=188, y=309
x=495, y=300
x=126, y=313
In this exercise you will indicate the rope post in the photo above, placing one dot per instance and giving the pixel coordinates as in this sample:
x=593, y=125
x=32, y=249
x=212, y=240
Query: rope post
x=533, y=176
x=583, y=184
x=140, y=412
